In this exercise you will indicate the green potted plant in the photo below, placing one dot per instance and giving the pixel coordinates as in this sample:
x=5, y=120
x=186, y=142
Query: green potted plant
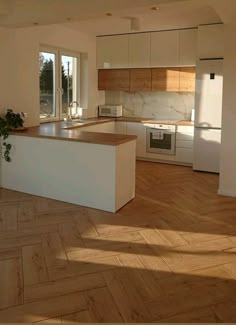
x=10, y=121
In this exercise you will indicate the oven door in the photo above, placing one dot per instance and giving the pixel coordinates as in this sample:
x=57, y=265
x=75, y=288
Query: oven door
x=160, y=141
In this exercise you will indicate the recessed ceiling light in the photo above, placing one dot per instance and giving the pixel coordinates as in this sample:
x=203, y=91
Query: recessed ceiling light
x=155, y=8
x=109, y=14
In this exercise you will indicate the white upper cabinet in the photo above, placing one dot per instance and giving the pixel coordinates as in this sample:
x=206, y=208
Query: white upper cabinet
x=144, y=50
x=187, y=47
x=165, y=49
x=139, y=50
x=211, y=41
x=103, y=53
x=113, y=52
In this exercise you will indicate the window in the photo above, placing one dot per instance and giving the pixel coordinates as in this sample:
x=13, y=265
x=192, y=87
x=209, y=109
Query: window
x=59, y=86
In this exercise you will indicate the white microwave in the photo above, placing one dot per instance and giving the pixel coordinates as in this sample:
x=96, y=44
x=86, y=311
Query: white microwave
x=110, y=110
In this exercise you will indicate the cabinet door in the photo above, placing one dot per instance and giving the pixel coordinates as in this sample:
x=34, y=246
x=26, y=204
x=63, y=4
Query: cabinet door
x=184, y=155
x=188, y=47
x=140, y=79
x=165, y=49
x=119, y=48
x=108, y=127
x=121, y=127
x=187, y=79
x=211, y=41
x=166, y=79
x=185, y=129
x=140, y=130
x=184, y=144
x=113, y=79
x=113, y=52
x=103, y=53
x=139, y=50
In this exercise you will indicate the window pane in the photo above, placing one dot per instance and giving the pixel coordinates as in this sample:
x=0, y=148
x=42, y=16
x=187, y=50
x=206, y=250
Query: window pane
x=47, y=84
x=69, y=82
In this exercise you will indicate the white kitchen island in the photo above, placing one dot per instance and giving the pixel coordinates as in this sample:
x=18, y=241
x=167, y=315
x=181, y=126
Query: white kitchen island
x=91, y=169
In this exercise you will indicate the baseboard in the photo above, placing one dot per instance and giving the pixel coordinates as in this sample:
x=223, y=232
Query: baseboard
x=226, y=193
x=168, y=162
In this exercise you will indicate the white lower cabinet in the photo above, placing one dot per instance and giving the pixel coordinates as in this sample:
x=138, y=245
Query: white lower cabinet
x=184, y=144
x=184, y=140
x=121, y=127
x=140, y=130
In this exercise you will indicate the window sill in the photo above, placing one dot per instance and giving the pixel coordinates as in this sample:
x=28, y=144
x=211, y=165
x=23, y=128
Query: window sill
x=48, y=120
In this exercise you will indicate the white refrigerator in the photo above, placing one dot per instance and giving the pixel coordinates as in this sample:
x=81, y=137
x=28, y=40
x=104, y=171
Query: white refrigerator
x=208, y=115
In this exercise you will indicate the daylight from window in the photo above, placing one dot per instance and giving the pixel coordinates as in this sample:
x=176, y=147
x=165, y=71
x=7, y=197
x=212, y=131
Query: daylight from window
x=47, y=84
x=58, y=86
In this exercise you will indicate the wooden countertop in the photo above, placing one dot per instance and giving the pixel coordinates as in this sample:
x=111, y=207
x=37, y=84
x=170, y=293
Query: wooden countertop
x=54, y=131
x=154, y=121
x=74, y=132
x=77, y=125
x=100, y=120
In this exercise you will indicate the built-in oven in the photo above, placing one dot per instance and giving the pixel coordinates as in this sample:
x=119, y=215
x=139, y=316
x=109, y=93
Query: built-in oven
x=161, y=139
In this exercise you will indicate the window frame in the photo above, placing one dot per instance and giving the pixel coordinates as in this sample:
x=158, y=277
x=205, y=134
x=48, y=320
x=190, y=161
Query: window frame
x=58, y=90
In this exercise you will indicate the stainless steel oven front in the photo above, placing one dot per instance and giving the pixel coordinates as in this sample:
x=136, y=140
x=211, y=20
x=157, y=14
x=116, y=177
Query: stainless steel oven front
x=161, y=139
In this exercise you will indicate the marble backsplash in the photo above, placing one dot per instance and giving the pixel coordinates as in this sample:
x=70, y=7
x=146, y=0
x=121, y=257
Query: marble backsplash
x=157, y=105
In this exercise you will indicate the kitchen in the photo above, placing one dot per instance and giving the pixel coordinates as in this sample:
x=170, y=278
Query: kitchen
x=155, y=241
x=158, y=108
x=154, y=93
x=168, y=99
x=166, y=95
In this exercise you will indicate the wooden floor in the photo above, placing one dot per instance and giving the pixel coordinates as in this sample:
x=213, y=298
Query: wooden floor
x=168, y=256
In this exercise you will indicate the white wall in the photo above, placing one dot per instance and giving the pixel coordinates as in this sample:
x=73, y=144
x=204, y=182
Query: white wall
x=228, y=148
x=19, y=48
x=7, y=68
x=227, y=11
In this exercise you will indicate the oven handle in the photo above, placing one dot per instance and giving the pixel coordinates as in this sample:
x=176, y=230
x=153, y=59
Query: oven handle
x=156, y=129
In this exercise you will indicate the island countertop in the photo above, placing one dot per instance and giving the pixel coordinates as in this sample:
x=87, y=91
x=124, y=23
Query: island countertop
x=54, y=131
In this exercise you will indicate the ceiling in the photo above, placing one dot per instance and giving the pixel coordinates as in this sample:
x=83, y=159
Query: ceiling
x=169, y=16
x=90, y=15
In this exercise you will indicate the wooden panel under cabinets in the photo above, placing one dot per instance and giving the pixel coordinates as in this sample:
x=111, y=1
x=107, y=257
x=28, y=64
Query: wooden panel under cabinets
x=155, y=79
x=187, y=79
x=114, y=79
x=165, y=79
x=140, y=79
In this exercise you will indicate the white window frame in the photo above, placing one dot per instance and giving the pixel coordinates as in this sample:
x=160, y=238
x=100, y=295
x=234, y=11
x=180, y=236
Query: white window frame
x=59, y=52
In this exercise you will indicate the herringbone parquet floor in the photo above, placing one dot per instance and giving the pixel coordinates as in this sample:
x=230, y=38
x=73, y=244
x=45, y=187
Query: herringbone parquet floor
x=168, y=256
